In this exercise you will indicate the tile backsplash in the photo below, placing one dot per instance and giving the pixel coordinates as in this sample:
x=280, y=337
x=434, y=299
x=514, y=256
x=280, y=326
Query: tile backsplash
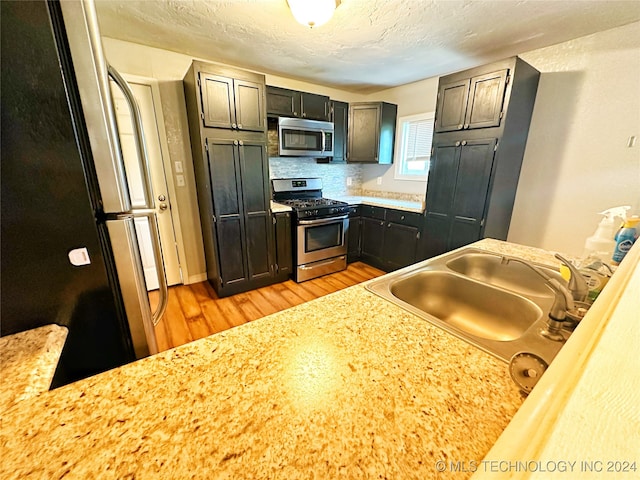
x=334, y=176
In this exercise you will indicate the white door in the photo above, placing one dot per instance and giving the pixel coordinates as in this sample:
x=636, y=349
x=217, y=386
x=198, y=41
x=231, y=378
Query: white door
x=144, y=96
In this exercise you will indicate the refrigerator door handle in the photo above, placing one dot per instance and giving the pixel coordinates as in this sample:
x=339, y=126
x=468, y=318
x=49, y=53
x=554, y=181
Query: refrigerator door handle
x=126, y=253
x=163, y=286
x=138, y=131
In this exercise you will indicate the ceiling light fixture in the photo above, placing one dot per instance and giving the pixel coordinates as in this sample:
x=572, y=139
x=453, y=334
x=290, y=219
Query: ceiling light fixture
x=312, y=13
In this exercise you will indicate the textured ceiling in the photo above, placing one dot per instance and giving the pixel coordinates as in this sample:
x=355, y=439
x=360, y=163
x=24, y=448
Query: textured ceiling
x=368, y=44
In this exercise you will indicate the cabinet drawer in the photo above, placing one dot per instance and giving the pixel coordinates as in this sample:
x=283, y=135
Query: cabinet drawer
x=372, y=212
x=404, y=218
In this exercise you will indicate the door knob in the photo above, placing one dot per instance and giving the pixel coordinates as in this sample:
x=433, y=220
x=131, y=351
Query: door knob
x=161, y=198
x=163, y=206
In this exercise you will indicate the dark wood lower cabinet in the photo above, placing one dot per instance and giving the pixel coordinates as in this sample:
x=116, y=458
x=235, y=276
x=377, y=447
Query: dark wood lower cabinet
x=372, y=242
x=354, y=238
x=283, y=245
x=388, y=239
x=400, y=245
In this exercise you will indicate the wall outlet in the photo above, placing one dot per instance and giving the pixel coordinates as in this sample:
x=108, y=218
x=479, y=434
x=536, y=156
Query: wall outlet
x=180, y=180
x=379, y=180
x=349, y=181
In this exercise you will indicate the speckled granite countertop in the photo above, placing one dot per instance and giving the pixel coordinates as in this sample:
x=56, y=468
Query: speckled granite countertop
x=382, y=202
x=28, y=361
x=346, y=386
x=279, y=207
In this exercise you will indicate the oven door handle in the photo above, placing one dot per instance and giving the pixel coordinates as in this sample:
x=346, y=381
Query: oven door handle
x=322, y=221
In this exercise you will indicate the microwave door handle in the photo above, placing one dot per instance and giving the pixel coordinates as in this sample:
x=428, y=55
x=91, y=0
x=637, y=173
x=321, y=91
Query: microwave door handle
x=323, y=149
x=138, y=131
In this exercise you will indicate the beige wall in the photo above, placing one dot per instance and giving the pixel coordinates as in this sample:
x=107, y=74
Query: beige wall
x=412, y=98
x=577, y=162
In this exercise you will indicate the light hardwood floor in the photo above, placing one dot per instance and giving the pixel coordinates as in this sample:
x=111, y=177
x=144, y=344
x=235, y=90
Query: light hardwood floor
x=195, y=311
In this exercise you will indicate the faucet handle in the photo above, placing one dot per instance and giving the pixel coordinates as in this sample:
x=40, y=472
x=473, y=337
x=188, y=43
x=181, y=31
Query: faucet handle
x=577, y=284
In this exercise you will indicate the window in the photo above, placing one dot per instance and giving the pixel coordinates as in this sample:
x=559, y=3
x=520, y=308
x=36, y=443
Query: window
x=415, y=133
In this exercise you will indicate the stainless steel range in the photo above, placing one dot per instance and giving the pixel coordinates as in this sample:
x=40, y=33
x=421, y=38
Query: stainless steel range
x=320, y=227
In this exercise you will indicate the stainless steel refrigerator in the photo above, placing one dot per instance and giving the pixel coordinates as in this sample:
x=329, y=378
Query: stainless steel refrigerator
x=69, y=251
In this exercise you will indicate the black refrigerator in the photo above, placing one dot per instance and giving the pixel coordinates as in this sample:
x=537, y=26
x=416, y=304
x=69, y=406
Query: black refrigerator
x=69, y=251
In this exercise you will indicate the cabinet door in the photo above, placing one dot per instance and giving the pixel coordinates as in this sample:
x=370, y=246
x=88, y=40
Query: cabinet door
x=257, y=218
x=284, y=252
x=314, y=106
x=224, y=171
x=340, y=118
x=441, y=182
x=372, y=238
x=486, y=96
x=452, y=105
x=217, y=101
x=364, y=133
x=249, y=98
x=283, y=102
x=400, y=245
x=354, y=239
x=472, y=185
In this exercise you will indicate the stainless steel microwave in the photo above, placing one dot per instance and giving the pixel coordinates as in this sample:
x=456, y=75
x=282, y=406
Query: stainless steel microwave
x=304, y=138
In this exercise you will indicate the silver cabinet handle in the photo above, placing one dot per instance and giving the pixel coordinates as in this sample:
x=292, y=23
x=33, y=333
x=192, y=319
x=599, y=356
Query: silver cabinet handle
x=233, y=125
x=240, y=125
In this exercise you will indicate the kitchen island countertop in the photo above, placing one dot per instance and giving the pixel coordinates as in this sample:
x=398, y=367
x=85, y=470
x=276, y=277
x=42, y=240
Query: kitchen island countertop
x=345, y=386
x=28, y=361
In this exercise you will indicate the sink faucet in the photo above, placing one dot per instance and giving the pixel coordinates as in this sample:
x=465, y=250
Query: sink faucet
x=563, y=301
x=577, y=284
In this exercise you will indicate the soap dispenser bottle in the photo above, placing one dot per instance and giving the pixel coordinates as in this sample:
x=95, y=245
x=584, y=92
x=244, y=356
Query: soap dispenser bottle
x=601, y=244
x=625, y=239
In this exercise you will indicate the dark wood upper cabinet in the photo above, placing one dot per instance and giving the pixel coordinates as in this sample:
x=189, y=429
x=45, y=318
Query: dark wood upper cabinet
x=283, y=102
x=469, y=103
x=371, y=136
x=452, y=105
x=482, y=123
x=486, y=96
x=249, y=102
x=316, y=107
x=340, y=119
x=218, y=104
x=232, y=103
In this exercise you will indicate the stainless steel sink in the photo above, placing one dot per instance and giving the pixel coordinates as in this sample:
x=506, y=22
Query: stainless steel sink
x=516, y=277
x=481, y=310
x=499, y=308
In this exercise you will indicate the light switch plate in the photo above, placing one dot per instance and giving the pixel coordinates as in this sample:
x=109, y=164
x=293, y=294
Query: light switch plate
x=180, y=180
